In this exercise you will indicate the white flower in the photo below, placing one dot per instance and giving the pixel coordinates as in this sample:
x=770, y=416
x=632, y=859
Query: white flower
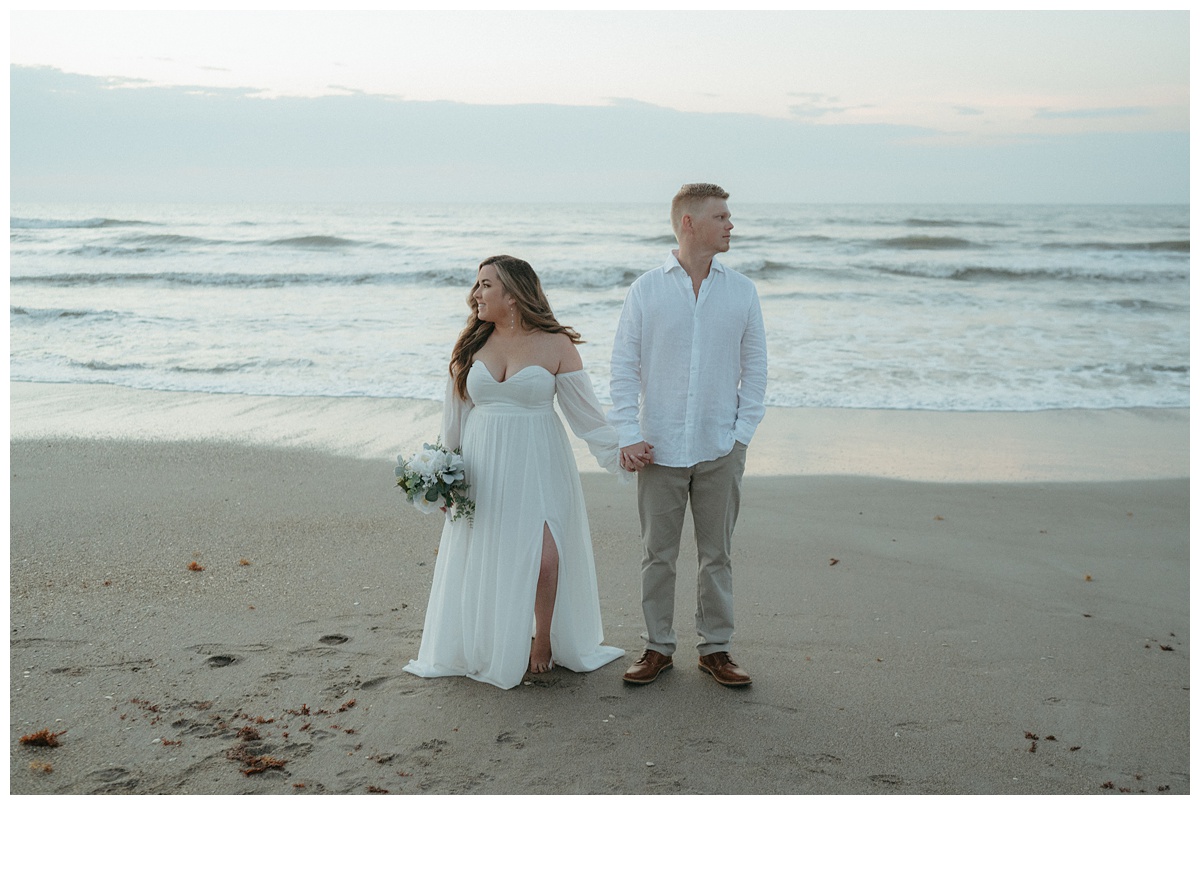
x=424, y=462
x=426, y=506
x=441, y=460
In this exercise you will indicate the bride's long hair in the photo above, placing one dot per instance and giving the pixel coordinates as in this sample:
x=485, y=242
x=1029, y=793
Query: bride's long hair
x=521, y=282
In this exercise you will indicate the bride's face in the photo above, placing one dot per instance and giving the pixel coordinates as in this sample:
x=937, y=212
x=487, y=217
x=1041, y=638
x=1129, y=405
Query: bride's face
x=491, y=301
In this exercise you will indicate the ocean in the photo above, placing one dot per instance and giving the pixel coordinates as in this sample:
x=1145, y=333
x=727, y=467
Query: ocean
x=910, y=307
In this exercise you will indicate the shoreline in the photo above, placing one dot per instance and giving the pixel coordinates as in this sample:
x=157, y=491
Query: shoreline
x=1050, y=446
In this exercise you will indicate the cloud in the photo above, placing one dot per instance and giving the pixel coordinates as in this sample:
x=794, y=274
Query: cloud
x=966, y=111
x=816, y=104
x=77, y=138
x=1090, y=113
x=617, y=101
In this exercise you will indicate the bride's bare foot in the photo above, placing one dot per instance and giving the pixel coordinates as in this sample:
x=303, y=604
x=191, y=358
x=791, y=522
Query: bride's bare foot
x=540, y=656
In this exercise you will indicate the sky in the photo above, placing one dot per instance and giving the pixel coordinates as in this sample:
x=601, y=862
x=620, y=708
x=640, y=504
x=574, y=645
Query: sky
x=561, y=105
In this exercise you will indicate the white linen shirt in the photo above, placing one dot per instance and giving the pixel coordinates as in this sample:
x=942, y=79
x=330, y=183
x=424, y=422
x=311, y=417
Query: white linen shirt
x=697, y=364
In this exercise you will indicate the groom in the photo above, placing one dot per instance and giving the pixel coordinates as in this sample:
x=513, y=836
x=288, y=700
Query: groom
x=689, y=373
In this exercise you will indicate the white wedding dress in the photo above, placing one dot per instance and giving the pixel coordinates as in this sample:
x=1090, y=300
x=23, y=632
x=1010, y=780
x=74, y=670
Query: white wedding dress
x=522, y=476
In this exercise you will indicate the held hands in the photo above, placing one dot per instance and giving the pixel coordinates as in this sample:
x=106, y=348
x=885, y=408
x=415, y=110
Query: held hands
x=637, y=456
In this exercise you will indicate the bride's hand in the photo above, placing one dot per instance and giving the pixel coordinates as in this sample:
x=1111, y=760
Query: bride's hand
x=637, y=456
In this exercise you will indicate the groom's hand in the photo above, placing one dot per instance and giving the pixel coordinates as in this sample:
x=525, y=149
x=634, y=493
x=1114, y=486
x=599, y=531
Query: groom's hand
x=637, y=456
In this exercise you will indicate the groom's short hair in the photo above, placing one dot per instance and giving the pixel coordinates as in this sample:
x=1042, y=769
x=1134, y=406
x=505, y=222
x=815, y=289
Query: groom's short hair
x=688, y=200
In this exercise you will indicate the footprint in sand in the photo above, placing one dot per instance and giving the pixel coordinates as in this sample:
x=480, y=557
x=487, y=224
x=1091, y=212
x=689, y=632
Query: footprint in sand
x=68, y=671
x=333, y=639
x=222, y=655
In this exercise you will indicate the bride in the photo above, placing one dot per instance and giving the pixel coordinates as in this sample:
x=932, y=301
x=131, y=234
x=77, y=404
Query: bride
x=523, y=567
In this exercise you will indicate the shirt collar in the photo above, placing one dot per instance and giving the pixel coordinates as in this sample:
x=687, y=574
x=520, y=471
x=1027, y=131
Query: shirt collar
x=673, y=263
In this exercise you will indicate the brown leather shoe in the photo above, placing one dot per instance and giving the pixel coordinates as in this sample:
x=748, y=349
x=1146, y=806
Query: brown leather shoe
x=647, y=667
x=722, y=668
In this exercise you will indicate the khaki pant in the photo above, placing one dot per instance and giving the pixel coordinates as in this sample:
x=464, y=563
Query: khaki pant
x=714, y=488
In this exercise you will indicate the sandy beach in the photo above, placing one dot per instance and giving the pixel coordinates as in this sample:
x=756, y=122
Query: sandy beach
x=214, y=616
x=242, y=246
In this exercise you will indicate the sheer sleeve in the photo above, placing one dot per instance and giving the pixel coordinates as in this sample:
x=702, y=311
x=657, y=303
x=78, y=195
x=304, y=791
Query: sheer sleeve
x=579, y=406
x=454, y=417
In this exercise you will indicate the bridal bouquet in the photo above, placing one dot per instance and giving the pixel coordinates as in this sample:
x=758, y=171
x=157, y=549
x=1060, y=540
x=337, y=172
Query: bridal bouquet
x=435, y=479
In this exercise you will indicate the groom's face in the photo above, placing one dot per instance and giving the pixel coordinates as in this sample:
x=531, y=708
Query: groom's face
x=711, y=225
